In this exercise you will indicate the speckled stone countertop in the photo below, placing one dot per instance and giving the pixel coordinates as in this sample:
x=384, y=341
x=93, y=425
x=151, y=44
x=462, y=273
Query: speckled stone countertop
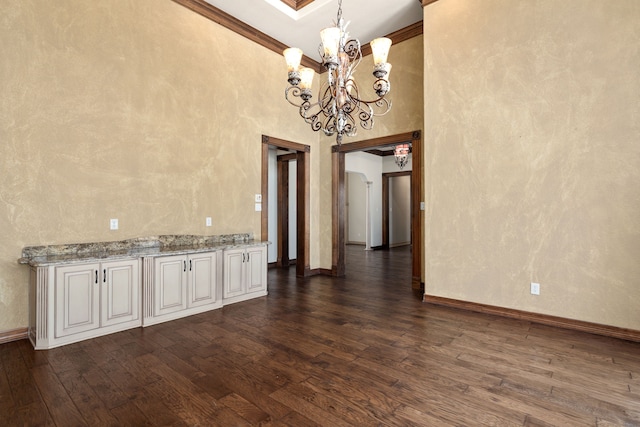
x=138, y=247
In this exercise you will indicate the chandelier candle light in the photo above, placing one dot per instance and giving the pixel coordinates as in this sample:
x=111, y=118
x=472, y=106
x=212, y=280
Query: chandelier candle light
x=339, y=105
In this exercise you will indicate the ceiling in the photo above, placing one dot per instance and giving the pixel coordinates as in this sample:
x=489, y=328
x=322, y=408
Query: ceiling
x=301, y=28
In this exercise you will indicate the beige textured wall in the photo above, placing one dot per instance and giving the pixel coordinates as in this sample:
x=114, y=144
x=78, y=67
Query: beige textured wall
x=406, y=115
x=139, y=110
x=532, y=119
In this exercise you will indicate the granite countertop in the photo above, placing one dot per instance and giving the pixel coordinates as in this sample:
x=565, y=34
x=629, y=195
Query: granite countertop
x=134, y=248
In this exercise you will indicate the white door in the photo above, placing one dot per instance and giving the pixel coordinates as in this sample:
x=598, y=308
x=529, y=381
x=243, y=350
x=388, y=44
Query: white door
x=256, y=267
x=234, y=271
x=120, y=289
x=202, y=279
x=77, y=299
x=170, y=284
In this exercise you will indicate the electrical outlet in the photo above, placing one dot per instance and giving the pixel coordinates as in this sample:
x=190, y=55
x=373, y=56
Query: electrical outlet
x=535, y=288
x=258, y=198
x=208, y=221
x=113, y=224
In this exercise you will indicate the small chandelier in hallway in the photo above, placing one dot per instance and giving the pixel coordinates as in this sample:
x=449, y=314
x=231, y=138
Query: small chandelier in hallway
x=339, y=106
x=401, y=155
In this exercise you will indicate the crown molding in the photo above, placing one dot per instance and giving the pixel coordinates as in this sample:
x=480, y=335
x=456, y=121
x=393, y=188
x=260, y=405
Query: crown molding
x=220, y=17
x=297, y=4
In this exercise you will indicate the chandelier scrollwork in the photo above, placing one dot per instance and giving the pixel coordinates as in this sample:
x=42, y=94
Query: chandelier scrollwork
x=340, y=107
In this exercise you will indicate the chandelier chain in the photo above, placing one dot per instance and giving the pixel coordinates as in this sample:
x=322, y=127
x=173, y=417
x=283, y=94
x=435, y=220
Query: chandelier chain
x=339, y=10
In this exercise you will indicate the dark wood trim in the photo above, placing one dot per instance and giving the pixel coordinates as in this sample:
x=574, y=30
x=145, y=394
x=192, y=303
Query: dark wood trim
x=399, y=36
x=375, y=142
x=560, y=322
x=338, y=185
x=385, y=210
x=264, y=190
x=288, y=157
x=303, y=221
x=297, y=4
x=417, y=214
x=338, y=231
x=320, y=272
x=284, y=144
x=383, y=153
x=14, y=335
x=283, y=213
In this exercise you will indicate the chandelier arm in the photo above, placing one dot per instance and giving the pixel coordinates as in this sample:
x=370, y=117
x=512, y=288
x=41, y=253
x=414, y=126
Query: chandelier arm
x=381, y=82
x=295, y=91
x=353, y=51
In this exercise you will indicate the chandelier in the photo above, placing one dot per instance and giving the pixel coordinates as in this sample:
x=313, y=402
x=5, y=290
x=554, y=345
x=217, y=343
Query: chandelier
x=401, y=155
x=339, y=106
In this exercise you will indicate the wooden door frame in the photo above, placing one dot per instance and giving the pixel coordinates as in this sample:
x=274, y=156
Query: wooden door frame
x=338, y=197
x=283, y=208
x=385, y=203
x=303, y=259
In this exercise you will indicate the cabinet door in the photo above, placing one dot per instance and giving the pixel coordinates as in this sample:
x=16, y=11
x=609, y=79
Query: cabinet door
x=120, y=289
x=203, y=273
x=170, y=284
x=234, y=271
x=77, y=299
x=256, y=269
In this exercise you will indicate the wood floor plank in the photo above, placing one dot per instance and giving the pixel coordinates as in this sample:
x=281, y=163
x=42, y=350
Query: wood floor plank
x=61, y=407
x=245, y=409
x=129, y=414
x=21, y=388
x=92, y=409
x=105, y=388
x=304, y=400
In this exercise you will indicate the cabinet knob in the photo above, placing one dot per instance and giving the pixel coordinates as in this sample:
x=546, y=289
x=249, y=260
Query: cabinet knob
x=96, y=276
x=189, y=265
x=104, y=276
x=185, y=265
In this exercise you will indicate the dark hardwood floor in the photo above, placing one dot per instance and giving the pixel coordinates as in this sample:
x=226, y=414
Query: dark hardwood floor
x=361, y=351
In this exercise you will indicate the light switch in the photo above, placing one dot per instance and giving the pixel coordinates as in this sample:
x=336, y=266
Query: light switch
x=258, y=207
x=208, y=221
x=258, y=198
x=113, y=224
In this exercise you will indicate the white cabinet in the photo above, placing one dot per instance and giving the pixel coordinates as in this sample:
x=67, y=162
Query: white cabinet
x=245, y=273
x=181, y=285
x=77, y=306
x=73, y=299
x=73, y=302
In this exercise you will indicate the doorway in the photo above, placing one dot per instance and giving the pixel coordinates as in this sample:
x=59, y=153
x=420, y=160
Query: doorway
x=302, y=155
x=338, y=261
